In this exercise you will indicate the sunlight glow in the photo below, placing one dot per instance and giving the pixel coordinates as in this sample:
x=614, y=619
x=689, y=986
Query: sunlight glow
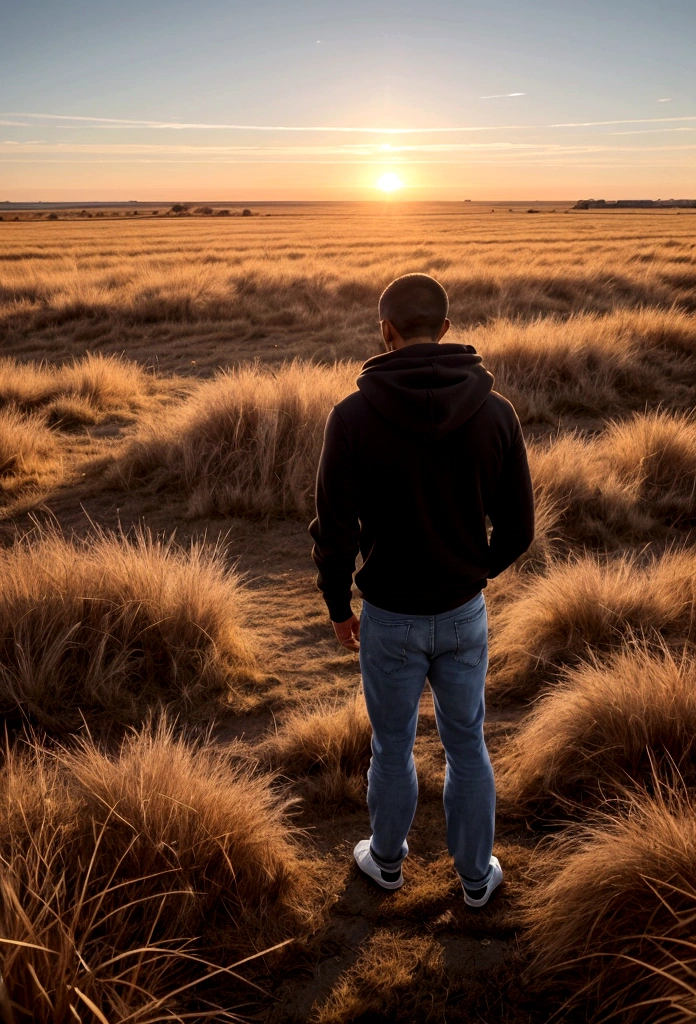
x=389, y=182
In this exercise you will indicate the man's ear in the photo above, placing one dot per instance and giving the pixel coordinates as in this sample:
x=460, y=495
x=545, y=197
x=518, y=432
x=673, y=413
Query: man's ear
x=387, y=334
x=443, y=330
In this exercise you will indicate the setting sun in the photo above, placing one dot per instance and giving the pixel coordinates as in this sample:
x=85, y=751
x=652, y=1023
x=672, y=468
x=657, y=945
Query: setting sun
x=389, y=182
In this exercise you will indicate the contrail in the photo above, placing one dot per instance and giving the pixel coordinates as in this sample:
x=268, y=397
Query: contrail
x=502, y=95
x=178, y=125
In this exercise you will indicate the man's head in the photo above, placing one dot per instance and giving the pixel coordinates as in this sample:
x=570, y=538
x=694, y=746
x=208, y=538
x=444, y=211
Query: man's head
x=413, y=309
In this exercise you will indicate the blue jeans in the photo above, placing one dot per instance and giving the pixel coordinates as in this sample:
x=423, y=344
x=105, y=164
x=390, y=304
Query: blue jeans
x=397, y=654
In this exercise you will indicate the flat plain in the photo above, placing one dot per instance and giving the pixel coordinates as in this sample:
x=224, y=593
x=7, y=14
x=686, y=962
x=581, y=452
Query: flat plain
x=183, y=776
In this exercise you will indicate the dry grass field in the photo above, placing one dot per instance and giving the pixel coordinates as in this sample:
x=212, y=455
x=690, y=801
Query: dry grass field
x=183, y=773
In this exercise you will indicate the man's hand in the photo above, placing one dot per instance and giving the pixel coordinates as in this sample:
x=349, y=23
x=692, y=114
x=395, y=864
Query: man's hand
x=348, y=633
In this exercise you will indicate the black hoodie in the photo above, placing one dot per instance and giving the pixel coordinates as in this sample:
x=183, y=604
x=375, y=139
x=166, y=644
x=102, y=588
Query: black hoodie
x=412, y=464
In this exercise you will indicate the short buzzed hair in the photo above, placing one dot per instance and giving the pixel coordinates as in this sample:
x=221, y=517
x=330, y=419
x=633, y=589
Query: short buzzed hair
x=416, y=305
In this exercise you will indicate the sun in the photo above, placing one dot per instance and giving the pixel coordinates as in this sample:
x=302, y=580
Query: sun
x=389, y=182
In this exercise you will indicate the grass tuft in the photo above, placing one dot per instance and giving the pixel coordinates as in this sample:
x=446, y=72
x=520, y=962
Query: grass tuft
x=105, y=630
x=127, y=878
x=97, y=383
x=603, y=729
x=245, y=443
x=588, y=604
x=613, y=928
x=29, y=453
x=326, y=747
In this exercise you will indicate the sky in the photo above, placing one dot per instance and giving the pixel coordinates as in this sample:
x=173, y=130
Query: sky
x=304, y=100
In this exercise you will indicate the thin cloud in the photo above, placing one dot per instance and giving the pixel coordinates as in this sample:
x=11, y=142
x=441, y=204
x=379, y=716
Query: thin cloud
x=665, y=99
x=493, y=160
x=654, y=131
x=507, y=153
x=98, y=122
x=502, y=95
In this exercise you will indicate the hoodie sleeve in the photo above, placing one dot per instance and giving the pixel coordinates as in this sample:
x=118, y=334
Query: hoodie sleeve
x=336, y=528
x=511, y=510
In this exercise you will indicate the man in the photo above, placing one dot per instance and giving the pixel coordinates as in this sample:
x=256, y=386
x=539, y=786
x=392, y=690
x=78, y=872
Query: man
x=413, y=465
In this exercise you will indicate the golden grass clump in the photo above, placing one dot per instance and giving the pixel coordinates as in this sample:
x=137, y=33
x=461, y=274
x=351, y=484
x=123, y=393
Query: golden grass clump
x=245, y=443
x=326, y=747
x=603, y=729
x=104, y=630
x=658, y=452
x=591, y=364
x=80, y=391
x=589, y=604
x=613, y=928
x=128, y=879
x=28, y=453
x=594, y=507
x=622, y=486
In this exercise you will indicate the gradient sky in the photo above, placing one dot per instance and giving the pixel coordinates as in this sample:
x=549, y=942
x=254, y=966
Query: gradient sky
x=501, y=99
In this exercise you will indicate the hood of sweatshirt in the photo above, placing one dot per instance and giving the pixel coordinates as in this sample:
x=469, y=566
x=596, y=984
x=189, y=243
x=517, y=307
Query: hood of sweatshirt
x=426, y=389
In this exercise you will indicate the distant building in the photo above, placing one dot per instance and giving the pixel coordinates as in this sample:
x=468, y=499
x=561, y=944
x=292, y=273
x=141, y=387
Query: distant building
x=634, y=204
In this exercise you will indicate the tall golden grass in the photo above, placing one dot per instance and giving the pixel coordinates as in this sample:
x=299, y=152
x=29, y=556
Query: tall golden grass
x=105, y=630
x=633, y=482
x=103, y=383
x=604, y=728
x=29, y=454
x=590, y=604
x=591, y=364
x=307, y=282
x=613, y=927
x=326, y=747
x=129, y=865
x=246, y=443
x=131, y=882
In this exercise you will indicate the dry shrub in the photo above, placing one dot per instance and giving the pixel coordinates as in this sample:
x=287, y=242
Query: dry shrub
x=245, y=443
x=28, y=453
x=123, y=877
x=394, y=979
x=613, y=929
x=327, y=747
x=589, y=604
x=658, y=452
x=594, y=506
x=69, y=413
x=104, y=630
x=621, y=486
x=591, y=364
x=601, y=730
x=93, y=385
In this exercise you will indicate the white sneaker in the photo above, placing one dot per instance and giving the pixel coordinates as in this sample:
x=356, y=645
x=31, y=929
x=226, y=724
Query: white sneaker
x=364, y=860
x=493, y=883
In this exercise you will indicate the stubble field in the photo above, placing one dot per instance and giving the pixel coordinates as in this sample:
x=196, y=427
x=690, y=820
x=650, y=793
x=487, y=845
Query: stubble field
x=183, y=774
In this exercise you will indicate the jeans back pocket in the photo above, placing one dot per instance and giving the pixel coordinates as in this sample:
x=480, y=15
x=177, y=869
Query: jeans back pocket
x=384, y=643
x=472, y=637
